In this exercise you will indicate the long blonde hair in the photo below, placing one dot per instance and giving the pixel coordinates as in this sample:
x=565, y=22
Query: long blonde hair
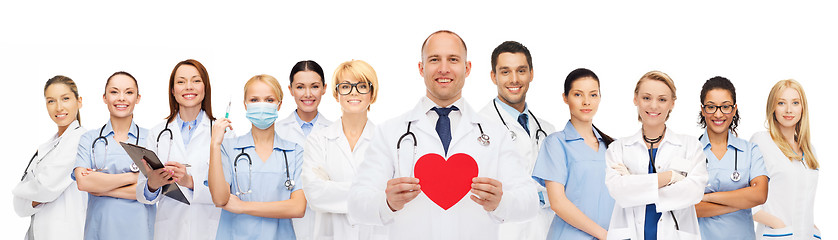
x=801, y=130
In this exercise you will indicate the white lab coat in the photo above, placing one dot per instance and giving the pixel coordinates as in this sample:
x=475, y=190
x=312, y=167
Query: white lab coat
x=538, y=227
x=791, y=193
x=633, y=192
x=329, y=165
x=176, y=220
x=62, y=212
x=290, y=130
x=421, y=218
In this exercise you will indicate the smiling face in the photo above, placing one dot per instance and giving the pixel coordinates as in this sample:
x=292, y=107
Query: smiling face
x=307, y=89
x=512, y=76
x=654, y=101
x=444, y=68
x=354, y=102
x=788, y=108
x=583, y=99
x=719, y=122
x=121, y=94
x=188, y=88
x=62, y=104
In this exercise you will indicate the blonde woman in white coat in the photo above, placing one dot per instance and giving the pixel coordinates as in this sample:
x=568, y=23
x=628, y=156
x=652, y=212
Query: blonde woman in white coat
x=307, y=86
x=46, y=193
x=655, y=176
x=182, y=139
x=792, y=165
x=334, y=153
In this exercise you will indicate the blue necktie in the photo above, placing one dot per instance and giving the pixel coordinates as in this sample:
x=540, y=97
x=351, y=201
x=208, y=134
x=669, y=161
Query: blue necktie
x=443, y=125
x=523, y=120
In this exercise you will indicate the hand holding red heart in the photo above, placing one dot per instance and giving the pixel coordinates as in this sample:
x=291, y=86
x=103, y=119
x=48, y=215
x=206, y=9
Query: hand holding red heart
x=400, y=191
x=488, y=192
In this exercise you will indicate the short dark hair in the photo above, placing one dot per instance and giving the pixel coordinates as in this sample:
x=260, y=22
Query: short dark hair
x=307, y=65
x=718, y=82
x=443, y=31
x=510, y=47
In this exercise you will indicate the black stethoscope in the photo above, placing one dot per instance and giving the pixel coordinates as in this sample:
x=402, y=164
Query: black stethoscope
x=26, y=171
x=289, y=184
x=652, y=142
x=171, y=139
x=735, y=176
x=134, y=167
x=512, y=133
x=483, y=139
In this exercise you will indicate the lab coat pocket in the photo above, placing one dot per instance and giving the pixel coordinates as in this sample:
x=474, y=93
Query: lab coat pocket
x=684, y=235
x=777, y=234
x=620, y=234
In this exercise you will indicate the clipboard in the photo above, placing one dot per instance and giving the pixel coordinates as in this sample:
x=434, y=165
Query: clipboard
x=138, y=153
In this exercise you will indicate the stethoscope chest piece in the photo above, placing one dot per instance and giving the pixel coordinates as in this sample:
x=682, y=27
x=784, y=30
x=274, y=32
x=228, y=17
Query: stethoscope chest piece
x=483, y=139
x=289, y=184
x=513, y=135
x=134, y=167
x=735, y=176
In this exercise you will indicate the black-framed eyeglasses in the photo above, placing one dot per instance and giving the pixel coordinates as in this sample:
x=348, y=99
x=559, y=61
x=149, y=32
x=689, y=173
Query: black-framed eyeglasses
x=711, y=109
x=346, y=88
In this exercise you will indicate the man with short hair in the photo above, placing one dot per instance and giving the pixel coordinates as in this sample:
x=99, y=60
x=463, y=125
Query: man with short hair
x=470, y=178
x=512, y=73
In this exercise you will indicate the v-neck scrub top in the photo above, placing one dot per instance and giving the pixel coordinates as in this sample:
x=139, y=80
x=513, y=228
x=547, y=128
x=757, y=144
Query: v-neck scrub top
x=267, y=184
x=565, y=158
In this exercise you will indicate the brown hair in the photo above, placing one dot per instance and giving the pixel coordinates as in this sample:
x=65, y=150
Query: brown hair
x=61, y=79
x=206, y=103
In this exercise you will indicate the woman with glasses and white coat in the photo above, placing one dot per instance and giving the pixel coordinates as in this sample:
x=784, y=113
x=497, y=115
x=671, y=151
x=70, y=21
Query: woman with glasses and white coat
x=45, y=193
x=183, y=139
x=655, y=176
x=334, y=153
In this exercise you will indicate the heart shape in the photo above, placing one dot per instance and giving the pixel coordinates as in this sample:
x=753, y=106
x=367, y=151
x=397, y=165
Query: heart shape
x=445, y=182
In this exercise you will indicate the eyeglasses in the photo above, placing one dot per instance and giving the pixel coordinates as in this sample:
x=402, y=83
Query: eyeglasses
x=711, y=109
x=346, y=88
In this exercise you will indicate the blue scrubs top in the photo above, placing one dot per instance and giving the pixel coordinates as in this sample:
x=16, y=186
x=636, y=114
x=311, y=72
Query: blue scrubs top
x=267, y=184
x=650, y=226
x=565, y=158
x=739, y=224
x=109, y=217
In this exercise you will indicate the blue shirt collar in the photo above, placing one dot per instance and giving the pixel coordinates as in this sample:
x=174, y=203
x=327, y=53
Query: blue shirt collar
x=512, y=111
x=193, y=123
x=301, y=122
x=732, y=141
x=570, y=133
x=132, y=131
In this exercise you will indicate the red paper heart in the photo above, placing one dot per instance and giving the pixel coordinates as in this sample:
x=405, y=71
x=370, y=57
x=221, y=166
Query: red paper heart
x=445, y=182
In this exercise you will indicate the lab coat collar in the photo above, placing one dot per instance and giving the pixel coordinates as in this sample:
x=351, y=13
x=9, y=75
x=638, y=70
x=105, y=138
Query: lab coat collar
x=571, y=134
x=732, y=141
x=132, y=131
x=336, y=130
x=300, y=121
x=425, y=104
x=246, y=141
x=669, y=137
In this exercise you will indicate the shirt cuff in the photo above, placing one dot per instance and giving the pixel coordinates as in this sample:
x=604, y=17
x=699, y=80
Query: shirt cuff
x=150, y=196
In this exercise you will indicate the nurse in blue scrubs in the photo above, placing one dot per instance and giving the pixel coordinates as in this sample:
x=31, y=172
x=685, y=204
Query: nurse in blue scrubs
x=737, y=176
x=255, y=178
x=571, y=164
x=106, y=172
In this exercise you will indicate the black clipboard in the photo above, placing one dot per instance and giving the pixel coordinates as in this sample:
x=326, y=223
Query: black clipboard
x=138, y=153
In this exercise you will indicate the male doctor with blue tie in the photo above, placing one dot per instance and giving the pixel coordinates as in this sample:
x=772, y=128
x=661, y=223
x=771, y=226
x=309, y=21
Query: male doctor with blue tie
x=388, y=191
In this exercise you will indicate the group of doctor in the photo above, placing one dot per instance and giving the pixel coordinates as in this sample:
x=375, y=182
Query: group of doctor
x=357, y=180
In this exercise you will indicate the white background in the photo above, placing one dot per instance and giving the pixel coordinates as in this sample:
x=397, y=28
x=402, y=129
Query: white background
x=754, y=44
